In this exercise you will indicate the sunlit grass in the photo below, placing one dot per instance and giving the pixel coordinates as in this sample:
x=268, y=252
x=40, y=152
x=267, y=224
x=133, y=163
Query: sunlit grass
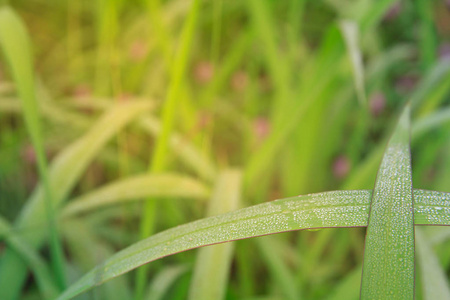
x=136, y=130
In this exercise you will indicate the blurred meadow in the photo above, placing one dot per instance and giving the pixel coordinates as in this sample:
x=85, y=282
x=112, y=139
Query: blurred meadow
x=121, y=119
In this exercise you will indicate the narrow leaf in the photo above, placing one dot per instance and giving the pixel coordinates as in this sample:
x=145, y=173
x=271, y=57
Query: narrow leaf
x=212, y=266
x=331, y=209
x=388, y=269
x=16, y=44
x=136, y=188
x=350, y=32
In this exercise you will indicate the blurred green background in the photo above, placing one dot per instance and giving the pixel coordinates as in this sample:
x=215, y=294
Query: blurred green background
x=299, y=96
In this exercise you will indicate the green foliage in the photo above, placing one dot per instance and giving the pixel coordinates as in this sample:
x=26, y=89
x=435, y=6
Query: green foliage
x=185, y=118
x=389, y=273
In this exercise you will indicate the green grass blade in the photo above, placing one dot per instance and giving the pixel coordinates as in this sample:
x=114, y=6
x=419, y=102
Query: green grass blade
x=434, y=279
x=212, y=266
x=34, y=261
x=136, y=188
x=160, y=155
x=16, y=44
x=329, y=209
x=388, y=269
x=427, y=32
x=351, y=33
x=263, y=24
x=65, y=170
x=431, y=208
x=159, y=158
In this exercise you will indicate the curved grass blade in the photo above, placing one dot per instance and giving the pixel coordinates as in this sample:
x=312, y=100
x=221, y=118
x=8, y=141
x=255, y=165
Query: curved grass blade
x=388, y=268
x=34, y=261
x=65, y=170
x=136, y=188
x=212, y=265
x=329, y=209
x=434, y=280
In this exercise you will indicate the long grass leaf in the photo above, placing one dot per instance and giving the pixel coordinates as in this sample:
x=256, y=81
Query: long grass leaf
x=212, y=266
x=135, y=188
x=341, y=209
x=16, y=44
x=160, y=154
x=65, y=170
x=388, y=269
x=434, y=280
x=329, y=209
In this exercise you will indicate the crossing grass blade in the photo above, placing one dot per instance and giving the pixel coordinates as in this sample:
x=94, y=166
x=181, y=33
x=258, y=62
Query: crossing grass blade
x=135, y=188
x=212, y=265
x=65, y=170
x=434, y=280
x=388, y=268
